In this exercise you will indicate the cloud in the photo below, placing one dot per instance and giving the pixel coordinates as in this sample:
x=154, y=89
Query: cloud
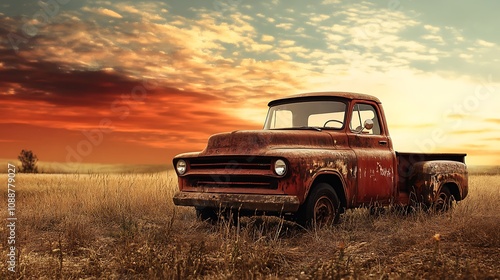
x=287, y=43
x=285, y=26
x=456, y=116
x=470, y=131
x=51, y=83
x=434, y=38
x=484, y=43
x=267, y=38
x=432, y=29
x=319, y=18
x=494, y=121
x=128, y=8
x=493, y=139
x=149, y=11
x=259, y=47
x=102, y=11
x=108, y=12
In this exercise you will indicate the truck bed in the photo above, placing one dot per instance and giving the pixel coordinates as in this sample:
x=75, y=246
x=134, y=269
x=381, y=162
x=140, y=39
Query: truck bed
x=405, y=162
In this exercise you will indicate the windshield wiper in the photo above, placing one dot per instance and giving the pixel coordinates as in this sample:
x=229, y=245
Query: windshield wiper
x=309, y=127
x=299, y=128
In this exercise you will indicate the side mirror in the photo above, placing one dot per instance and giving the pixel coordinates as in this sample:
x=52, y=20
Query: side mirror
x=368, y=124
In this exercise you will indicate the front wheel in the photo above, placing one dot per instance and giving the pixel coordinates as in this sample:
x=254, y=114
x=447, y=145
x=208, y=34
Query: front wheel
x=321, y=207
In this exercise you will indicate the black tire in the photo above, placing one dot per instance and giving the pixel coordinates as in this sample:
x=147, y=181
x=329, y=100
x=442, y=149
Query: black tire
x=444, y=201
x=207, y=214
x=322, y=207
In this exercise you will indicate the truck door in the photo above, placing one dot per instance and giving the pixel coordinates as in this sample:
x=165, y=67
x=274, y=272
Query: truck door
x=373, y=149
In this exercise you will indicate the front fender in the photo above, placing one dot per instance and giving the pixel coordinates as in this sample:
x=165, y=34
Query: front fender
x=309, y=165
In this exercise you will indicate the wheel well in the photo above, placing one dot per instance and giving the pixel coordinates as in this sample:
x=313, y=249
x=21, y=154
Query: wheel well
x=336, y=183
x=453, y=190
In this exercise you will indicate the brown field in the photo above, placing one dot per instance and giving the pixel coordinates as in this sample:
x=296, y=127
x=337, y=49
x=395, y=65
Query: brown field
x=116, y=226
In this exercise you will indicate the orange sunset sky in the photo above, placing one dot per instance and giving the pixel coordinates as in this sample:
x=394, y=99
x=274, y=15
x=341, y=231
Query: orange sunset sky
x=140, y=81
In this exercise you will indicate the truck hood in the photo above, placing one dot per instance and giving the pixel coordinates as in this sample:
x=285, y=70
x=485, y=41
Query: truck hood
x=245, y=142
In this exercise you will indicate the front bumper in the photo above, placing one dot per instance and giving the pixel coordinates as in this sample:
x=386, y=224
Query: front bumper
x=252, y=202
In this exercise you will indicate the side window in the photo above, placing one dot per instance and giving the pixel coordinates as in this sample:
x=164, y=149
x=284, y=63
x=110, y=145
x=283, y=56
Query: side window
x=361, y=113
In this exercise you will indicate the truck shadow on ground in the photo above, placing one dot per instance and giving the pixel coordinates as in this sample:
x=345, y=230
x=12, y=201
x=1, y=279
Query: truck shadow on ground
x=278, y=227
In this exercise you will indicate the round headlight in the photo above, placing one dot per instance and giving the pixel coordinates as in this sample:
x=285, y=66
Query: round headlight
x=280, y=167
x=181, y=167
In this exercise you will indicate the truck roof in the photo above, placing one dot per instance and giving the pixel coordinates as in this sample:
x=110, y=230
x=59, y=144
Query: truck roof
x=312, y=95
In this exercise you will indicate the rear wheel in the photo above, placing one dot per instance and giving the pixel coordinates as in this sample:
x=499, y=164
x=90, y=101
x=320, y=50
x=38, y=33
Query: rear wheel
x=444, y=201
x=321, y=207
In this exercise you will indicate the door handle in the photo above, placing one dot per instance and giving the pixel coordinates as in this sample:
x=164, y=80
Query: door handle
x=382, y=143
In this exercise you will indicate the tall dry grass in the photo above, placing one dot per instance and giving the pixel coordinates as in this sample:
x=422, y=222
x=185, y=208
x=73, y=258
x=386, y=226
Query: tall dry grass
x=116, y=226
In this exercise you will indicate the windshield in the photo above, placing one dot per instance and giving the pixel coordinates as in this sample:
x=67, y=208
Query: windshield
x=318, y=114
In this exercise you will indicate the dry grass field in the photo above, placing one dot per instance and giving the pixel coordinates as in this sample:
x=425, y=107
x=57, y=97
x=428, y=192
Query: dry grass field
x=123, y=226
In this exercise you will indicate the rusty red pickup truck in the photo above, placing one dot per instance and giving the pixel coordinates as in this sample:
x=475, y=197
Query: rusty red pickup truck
x=317, y=155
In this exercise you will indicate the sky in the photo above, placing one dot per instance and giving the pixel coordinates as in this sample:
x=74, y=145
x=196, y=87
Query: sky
x=140, y=81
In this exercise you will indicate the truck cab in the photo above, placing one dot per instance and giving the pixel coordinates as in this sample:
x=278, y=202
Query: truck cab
x=317, y=155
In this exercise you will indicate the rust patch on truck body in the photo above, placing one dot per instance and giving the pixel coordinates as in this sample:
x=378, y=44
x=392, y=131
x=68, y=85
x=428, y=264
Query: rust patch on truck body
x=242, y=162
x=430, y=176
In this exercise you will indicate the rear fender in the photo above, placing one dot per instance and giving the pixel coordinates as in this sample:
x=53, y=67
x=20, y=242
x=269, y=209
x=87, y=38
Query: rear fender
x=428, y=177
